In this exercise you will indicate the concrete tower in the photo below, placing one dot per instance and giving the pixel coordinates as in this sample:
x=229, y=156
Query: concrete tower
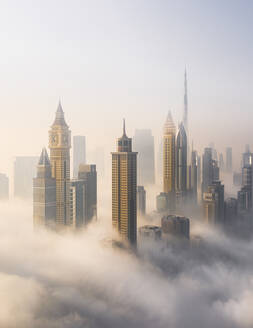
x=60, y=144
x=124, y=188
x=44, y=194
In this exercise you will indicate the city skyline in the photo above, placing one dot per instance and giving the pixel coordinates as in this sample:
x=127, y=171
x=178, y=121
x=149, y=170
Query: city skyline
x=145, y=224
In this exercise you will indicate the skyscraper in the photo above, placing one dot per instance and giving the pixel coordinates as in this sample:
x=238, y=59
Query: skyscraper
x=214, y=203
x=44, y=194
x=193, y=176
x=4, y=186
x=59, y=144
x=24, y=172
x=79, y=153
x=124, y=188
x=143, y=143
x=169, y=159
x=88, y=174
x=207, y=169
x=185, y=116
x=177, y=226
x=181, y=160
x=229, y=163
x=141, y=200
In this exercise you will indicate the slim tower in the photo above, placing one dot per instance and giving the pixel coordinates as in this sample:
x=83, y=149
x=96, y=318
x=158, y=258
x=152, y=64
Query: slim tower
x=169, y=159
x=181, y=159
x=185, y=116
x=44, y=194
x=59, y=144
x=124, y=171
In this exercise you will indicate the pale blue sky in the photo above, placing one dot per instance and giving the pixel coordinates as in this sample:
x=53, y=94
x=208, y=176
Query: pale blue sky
x=112, y=59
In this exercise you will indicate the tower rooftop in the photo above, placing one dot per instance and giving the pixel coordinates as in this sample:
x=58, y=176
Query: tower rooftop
x=44, y=159
x=59, y=117
x=169, y=126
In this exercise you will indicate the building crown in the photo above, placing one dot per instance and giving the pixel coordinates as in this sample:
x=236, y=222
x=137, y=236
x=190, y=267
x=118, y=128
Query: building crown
x=59, y=117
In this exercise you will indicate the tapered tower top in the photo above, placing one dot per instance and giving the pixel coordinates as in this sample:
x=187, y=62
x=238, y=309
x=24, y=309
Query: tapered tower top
x=59, y=117
x=169, y=126
x=44, y=159
x=124, y=144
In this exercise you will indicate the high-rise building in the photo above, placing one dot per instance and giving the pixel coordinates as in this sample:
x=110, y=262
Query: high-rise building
x=124, y=188
x=221, y=162
x=4, y=187
x=141, y=201
x=79, y=153
x=88, y=174
x=229, y=163
x=247, y=157
x=230, y=211
x=77, y=203
x=177, y=226
x=169, y=160
x=192, y=177
x=60, y=144
x=150, y=233
x=216, y=171
x=24, y=172
x=181, y=160
x=244, y=197
x=162, y=202
x=44, y=194
x=143, y=143
x=207, y=169
x=213, y=200
x=185, y=116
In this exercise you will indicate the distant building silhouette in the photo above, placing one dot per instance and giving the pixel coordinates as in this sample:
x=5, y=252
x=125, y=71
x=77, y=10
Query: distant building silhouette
x=229, y=163
x=4, y=187
x=181, y=160
x=79, y=153
x=141, y=201
x=24, y=172
x=143, y=143
x=177, y=226
x=150, y=233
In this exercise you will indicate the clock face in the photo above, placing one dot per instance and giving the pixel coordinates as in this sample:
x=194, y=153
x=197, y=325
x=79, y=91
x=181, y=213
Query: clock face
x=54, y=139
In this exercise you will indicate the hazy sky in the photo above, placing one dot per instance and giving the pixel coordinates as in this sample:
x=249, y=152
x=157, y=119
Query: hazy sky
x=112, y=59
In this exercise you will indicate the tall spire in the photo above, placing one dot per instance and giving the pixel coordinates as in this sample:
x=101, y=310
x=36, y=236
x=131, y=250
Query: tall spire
x=169, y=126
x=185, y=116
x=44, y=160
x=124, y=127
x=59, y=117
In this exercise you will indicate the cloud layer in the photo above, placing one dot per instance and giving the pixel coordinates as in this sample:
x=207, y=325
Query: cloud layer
x=72, y=281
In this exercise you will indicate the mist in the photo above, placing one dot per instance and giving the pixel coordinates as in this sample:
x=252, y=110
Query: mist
x=85, y=280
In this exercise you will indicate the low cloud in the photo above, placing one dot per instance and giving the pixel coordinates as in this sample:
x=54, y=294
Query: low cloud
x=80, y=280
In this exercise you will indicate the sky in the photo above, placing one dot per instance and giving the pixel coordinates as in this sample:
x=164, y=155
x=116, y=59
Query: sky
x=111, y=59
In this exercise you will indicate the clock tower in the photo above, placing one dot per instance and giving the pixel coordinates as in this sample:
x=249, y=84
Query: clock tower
x=59, y=145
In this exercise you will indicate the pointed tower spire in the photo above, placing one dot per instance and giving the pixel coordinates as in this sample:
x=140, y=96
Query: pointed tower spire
x=59, y=117
x=44, y=159
x=124, y=127
x=169, y=126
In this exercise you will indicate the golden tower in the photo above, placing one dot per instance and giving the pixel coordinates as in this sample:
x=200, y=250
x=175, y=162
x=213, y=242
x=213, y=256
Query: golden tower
x=124, y=188
x=169, y=155
x=59, y=145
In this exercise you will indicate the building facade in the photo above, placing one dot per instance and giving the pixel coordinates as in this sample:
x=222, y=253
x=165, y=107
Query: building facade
x=59, y=145
x=141, y=201
x=44, y=194
x=4, y=187
x=124, y=189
